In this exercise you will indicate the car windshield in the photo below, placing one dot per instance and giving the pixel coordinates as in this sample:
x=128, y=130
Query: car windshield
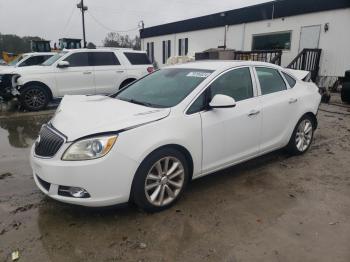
x=16, y=60
x=53, y=59
x=163, y=88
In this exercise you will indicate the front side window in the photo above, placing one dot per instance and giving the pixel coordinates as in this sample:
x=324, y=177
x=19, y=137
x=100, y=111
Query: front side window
x=164, y=88
x=236, y=83
x=104, y=59
x=54, y=58
x=78, y=59
x=273, y=41
x=166, y=50
x=198, y=105
x=270, y=80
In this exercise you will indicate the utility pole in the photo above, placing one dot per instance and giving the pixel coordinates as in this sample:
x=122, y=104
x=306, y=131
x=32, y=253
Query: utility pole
x=83, y=9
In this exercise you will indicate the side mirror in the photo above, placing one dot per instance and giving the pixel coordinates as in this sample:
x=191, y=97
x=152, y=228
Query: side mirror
x=63, y=64
x=222, y=101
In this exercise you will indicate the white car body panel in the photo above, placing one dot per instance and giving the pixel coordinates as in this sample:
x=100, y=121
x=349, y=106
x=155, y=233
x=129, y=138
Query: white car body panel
x=73, y=80
x=214, y=139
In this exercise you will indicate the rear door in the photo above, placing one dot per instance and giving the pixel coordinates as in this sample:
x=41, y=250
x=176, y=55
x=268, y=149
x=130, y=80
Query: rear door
x=109, y=73
x=78, y=78
x=279, y=104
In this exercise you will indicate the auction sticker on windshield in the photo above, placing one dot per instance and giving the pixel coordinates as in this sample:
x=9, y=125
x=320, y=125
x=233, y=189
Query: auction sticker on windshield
x=198, y=74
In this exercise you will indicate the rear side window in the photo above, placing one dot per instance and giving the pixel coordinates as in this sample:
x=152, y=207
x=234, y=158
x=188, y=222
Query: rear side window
x=270, y=80
x=291, y=81
x=137, y=58
x=104, y=59
x=78, y=59
x=236, y=83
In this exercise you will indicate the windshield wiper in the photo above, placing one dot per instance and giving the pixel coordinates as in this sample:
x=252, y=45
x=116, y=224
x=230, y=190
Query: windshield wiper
x=141, y=103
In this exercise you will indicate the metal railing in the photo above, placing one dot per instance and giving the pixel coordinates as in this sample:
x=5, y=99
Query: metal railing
x=269, y=56
x=309, y=60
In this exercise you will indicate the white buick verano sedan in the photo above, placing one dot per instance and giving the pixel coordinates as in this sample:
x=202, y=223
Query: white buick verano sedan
x=146, y=142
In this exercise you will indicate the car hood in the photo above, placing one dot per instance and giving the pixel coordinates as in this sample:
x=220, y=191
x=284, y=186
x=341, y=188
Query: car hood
x=38, y=69
x=6, y=69
x=79, y=116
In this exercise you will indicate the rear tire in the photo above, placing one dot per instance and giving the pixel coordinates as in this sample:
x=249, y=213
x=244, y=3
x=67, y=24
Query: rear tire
x=160, y=180
x=34, y=98
x=302, y=136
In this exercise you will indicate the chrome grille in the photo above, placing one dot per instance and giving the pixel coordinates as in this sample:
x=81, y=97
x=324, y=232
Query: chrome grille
x=48, y=143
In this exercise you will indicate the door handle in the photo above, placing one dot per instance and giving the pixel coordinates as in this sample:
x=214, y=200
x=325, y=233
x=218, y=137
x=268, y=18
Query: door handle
x=293, y=100
x=87, y=73
x=254, y=113
x=119, y=71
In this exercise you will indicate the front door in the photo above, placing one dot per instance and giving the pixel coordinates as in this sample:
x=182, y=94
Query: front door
x=78, y=78
x=309, y=37
x=231, y=134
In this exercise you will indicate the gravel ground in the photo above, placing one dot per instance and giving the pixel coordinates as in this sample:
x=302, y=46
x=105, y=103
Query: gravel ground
x=274, y=208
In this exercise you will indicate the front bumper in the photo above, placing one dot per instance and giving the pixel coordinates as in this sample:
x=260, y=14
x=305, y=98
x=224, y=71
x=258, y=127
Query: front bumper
x=108, y=180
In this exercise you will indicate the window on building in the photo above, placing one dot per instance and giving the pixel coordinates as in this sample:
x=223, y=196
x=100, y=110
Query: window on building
x=183, y=46
x=166, y=50
x=150, y=51
x=281, y=40
x=270, y=80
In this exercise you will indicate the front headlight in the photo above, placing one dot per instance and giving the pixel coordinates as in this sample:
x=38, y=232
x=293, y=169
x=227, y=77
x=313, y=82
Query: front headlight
x=90, y=148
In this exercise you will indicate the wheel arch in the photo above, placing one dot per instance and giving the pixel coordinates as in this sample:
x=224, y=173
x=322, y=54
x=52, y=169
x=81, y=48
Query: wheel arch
x=177, y=147
x=313, y=117
x=127, y=81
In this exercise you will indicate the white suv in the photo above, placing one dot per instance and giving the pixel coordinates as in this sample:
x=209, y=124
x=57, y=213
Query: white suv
x=79, y=72
x=27, y=59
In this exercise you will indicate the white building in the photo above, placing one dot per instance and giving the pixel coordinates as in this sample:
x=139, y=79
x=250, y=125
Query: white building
x=290, y=25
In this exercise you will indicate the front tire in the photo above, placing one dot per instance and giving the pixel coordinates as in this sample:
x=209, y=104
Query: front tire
x=34, y=98
x=302, y=136
x=160, y=180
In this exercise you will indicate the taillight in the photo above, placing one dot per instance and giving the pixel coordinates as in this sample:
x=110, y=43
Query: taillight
x=150, y=69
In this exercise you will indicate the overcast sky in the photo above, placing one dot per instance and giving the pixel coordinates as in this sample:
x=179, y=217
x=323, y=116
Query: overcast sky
x=53, y=19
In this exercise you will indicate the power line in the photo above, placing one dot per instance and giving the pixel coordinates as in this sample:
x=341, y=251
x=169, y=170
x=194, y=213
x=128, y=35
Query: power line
x=68, y=21
x=109, y=28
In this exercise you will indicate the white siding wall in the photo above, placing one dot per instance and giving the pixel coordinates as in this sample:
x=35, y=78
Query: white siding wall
x=335, y=43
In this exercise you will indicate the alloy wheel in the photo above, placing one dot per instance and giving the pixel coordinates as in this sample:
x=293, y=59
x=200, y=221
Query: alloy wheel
x=304, y=135
x=164, y=181
x=35, y=98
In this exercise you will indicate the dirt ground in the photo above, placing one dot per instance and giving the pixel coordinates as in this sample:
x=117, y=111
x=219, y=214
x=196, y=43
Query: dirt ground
x=274, y=208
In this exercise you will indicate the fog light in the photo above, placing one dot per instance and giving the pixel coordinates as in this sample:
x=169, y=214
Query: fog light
x=76, y=192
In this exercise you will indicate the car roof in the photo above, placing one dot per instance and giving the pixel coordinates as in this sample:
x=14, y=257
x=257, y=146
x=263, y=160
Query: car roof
x=39, y=53
x=221, y=64
x=109, y=49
